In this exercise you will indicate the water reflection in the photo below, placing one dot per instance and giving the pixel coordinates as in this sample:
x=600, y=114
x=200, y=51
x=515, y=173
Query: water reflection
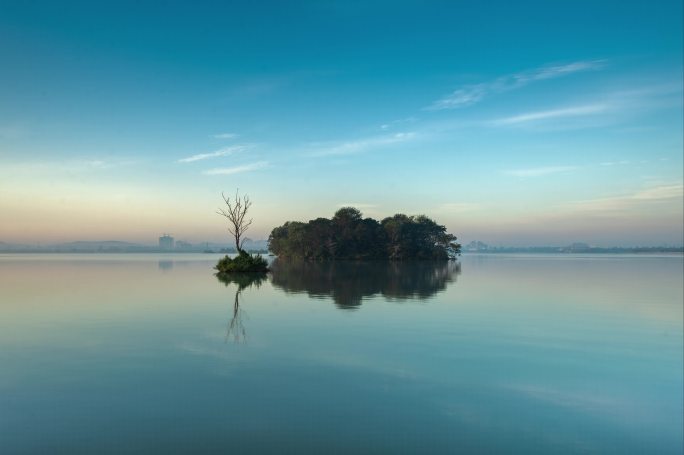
x=526, y=354
x=348, y=282
x=241, y=281
x=165, y=265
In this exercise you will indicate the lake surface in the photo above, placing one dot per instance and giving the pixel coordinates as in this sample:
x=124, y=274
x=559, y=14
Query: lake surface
x=497, y=354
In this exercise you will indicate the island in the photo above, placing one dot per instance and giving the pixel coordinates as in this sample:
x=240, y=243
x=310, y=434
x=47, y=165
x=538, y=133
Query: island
x=348, y=235
x=236, y=214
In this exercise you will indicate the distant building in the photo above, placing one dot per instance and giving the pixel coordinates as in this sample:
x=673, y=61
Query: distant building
x=166, y=242
x=183, y=246
x=578, y=247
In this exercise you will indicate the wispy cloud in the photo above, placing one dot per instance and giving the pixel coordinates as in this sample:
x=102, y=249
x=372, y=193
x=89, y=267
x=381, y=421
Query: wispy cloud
x=473, y=93
x=46, y=170
x=539, y=171
x=612, y=204
x=621, y=162
x=462, y=97
x=237, y=169
x=606, y=108
x=659, y=193
x=225, y=151
x=394, y=123
x=537, y=116
x=224, y=136
x=363, y=145
x=93, y=164
x=550, y=72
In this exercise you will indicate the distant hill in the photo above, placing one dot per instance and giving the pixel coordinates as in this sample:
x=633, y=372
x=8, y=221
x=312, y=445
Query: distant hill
x=577, y=247
x=112, y=246
x=117, y=246
x=13, y=247
x=106, y=245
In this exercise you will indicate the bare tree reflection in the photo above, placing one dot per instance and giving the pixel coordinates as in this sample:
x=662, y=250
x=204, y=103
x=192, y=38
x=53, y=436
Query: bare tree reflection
x=348, y=282
x=235, y=330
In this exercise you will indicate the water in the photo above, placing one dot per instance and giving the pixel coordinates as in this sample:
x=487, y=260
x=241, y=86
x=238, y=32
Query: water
x=525, y=354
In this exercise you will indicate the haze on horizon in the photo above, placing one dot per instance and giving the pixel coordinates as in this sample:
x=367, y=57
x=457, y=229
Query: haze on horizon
x=523, y=123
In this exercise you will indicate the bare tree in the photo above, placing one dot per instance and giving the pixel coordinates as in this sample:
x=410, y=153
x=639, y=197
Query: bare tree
x=236, y=215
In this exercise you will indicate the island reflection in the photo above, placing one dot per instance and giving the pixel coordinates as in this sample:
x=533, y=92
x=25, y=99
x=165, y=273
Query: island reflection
x=235, y=329
x=349, y=282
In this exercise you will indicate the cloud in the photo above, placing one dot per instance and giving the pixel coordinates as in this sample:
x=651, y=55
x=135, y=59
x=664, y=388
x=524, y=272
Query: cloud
x=550, y=72
x=608, y=108
x=237, y=169
x=94, y=164
x=653, y=194
x=82, y=165
x=473, y=93
x=221, y=152
x=621, y=162
x=659, y=193
x=575, y=111
x=224, y=136
x=394, y=123
x=462, y=97
x=362, y=145
x=539, y=171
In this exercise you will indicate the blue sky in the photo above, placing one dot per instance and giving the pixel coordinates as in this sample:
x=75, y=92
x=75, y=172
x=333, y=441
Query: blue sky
x=514, y=123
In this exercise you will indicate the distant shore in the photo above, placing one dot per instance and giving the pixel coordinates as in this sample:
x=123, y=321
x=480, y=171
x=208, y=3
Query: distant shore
x=493, y=251
x=566, y=250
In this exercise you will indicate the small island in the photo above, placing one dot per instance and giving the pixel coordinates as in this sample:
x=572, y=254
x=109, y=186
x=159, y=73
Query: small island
x=348, y=235
x=236, y=214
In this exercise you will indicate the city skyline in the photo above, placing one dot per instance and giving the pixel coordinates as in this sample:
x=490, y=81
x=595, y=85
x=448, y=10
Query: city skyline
x=121, y=122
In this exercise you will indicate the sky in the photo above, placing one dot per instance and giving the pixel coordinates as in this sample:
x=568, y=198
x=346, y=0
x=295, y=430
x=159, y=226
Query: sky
x=513, y=123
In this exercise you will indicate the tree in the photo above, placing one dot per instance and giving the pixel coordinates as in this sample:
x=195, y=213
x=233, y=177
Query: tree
x=344, y=223
x=418, y=237
x=350, y=236
x=236, y=215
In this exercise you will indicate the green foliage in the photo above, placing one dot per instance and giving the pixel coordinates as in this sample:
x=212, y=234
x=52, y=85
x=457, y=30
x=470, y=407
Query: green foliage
x=242, y=263
x=418, y=237
x=350, y=236
x=242, y=280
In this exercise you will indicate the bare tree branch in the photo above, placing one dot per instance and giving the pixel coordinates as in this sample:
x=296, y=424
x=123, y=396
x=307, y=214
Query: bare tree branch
x=236, y=213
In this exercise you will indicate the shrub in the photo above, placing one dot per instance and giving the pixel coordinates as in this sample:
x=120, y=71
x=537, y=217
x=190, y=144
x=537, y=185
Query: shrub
x=242, y=263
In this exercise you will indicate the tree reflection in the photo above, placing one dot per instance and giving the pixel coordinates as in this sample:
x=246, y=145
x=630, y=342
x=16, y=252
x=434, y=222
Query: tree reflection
x=348, y=282
x=236, y=328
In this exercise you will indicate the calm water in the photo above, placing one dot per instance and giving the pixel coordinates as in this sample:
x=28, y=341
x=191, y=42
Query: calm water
x=546, y=354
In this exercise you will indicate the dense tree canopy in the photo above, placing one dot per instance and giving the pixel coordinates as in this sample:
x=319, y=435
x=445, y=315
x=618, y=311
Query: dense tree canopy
x=350, y=236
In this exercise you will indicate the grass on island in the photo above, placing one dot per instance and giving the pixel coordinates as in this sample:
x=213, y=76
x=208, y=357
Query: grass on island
x=242, y=263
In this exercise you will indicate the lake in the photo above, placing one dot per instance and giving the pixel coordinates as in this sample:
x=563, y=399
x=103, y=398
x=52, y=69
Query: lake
x=494, y=354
